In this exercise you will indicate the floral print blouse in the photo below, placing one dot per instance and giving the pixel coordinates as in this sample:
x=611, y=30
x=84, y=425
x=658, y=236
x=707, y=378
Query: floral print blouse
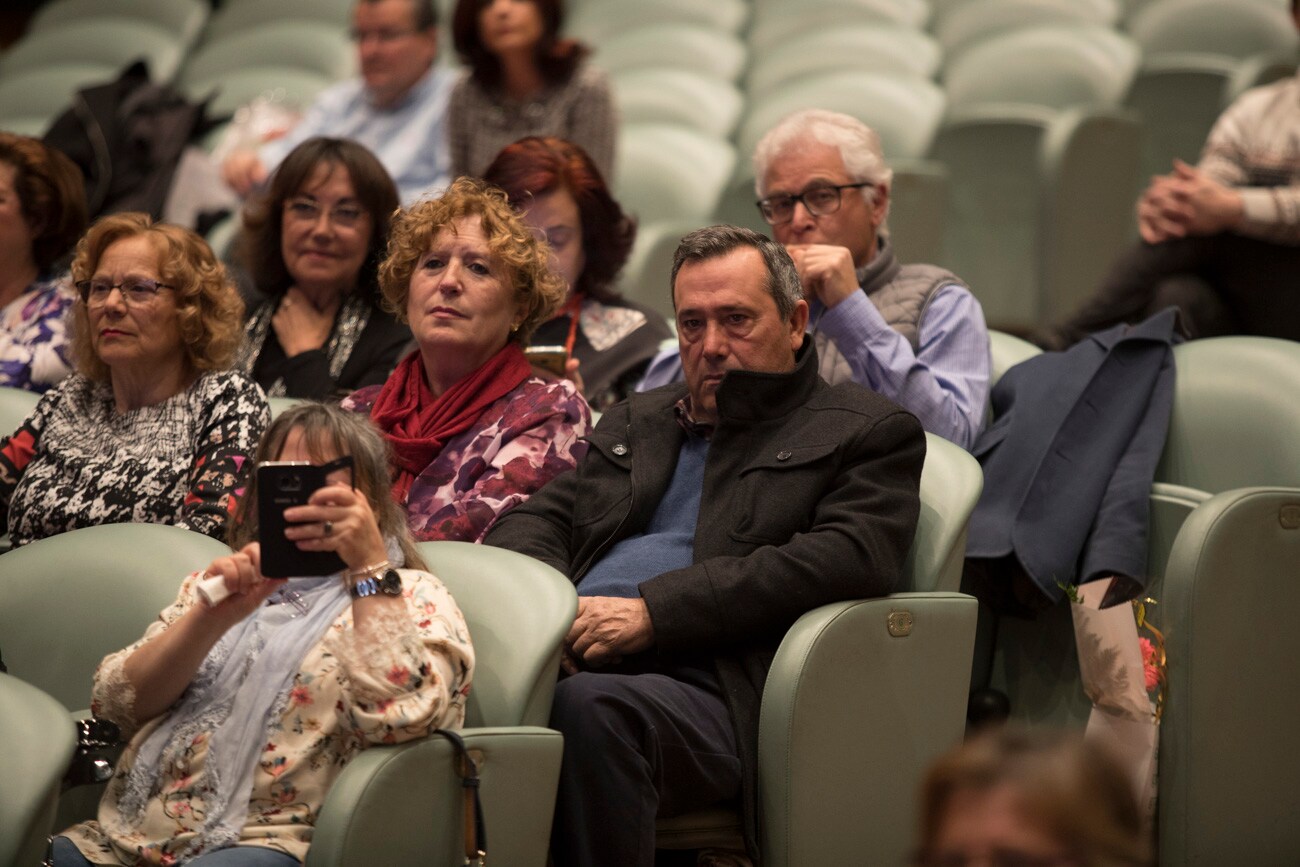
x=34, y=336
x=520, y=443
x=77, y=462
x=407, y=676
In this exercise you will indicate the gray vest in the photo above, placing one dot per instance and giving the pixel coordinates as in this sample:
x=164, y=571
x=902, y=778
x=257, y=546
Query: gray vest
x=902, y=294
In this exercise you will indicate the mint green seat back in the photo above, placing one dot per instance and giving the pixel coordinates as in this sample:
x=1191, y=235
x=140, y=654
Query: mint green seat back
x=236, y=15
x=669, y=172
x=182, y=18
x=876, y=47
x=595, y=21
x=112, y=42
x=69, y=600
x=1054, y=66
x=1223, y=27
x=776, y=21
x=16, y=404
x=313, y=46
x=37, y=740
x=1228, y=762
x=674, y=45
x=696, y=101
x=518, y=610
x=971, y=23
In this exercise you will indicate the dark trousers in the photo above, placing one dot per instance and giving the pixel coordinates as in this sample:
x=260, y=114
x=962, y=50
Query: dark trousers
x=1222, y=284
x=636, y=746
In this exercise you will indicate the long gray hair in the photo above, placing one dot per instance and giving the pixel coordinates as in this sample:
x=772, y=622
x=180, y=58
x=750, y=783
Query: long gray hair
x=328, y=432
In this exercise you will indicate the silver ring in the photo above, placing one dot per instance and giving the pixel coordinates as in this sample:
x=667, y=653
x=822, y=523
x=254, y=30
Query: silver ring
x=327, y=528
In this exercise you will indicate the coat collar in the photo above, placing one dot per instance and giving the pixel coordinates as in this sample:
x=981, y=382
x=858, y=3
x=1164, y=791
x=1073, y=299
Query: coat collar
x=882, y=269
x=749, y=396
x=1161, y=327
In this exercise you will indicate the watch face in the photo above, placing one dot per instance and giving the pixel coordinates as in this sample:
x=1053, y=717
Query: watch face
x=390, y=583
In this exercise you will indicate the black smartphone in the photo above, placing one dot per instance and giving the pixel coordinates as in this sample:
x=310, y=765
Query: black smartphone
x=280, y=485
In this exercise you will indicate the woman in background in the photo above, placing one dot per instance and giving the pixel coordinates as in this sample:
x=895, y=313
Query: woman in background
x=42, y=215
x=522, y=79
x=312, y=244
x=153, y=427
x=559, y=192
x=473, y=431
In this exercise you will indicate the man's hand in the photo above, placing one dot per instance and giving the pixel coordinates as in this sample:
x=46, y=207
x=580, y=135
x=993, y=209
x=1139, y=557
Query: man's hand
x=243, y=171
x=608, y=628
x=1187, y=202
x=827, y=272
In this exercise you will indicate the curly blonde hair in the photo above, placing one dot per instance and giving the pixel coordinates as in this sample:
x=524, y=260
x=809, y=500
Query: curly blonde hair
x=516, y=252
x=209, y=310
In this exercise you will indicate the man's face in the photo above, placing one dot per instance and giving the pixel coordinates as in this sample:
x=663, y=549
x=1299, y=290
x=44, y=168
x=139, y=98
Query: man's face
x=726, y=320
x=392, y=54
x=808, y=164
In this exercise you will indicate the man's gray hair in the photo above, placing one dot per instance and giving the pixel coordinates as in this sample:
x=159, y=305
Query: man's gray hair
x=858, y=144
x=713, y=242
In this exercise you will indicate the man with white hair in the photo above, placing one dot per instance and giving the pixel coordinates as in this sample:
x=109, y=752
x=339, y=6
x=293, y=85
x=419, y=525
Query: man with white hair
x=913, y=333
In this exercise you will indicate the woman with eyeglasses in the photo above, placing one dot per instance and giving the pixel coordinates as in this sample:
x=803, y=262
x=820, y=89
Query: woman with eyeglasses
x=248, y=696
x=312, y=244
x=42, y=214
x=522, y=79
x=153, y=427
x=474, y=431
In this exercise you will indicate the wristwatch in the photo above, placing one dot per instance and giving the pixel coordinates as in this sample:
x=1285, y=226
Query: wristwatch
x=387, y=582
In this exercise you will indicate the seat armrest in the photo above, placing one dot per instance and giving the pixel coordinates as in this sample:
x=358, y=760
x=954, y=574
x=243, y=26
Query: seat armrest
x=404, y=804
x=859, y=693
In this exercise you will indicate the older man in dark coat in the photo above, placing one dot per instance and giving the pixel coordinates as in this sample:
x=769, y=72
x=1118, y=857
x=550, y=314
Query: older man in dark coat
x=703, y=521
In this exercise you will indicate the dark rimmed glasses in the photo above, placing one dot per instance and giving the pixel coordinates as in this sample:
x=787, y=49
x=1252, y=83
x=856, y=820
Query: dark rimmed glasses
x=819, y=200
x=136, y=291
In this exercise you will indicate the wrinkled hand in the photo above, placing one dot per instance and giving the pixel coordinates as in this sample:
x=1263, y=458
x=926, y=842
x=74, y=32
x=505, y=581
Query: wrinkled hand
x=298, y=325
x=244, y=580
x=826, y=271
x=608, y=628
x=1186, y=202
x=243, y=171
x=353, y=531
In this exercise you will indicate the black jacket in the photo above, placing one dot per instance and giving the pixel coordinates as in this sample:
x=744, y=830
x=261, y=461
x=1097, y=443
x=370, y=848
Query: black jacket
x=810, y=497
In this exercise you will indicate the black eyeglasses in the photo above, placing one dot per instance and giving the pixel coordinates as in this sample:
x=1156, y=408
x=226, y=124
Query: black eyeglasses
x=135, y=291
x=819, y=201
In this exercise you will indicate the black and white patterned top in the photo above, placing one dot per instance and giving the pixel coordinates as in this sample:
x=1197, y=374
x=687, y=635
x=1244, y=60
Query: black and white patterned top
x=77, y=462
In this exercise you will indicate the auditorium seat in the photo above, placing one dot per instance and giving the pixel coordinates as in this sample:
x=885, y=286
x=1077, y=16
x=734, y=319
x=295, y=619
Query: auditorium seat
x=696, y=101
x=1228, y=27
x=673, y=45
x=883, y=47
x=404, y=804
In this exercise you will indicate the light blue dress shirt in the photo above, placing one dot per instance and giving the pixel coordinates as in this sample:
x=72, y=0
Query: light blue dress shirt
x=409, y=138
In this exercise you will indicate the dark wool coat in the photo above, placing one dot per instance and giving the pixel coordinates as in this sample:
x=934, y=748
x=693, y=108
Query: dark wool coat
x=810, y=497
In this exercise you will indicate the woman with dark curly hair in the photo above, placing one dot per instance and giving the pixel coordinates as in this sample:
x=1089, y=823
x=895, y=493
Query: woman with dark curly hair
x=559, y=192
x=312, y=244
x=153, y=427
x=474, y=432
x=522, y=79
x=42, y=214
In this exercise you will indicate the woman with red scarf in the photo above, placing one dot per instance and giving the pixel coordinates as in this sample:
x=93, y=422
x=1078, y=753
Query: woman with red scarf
x=473, y=430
